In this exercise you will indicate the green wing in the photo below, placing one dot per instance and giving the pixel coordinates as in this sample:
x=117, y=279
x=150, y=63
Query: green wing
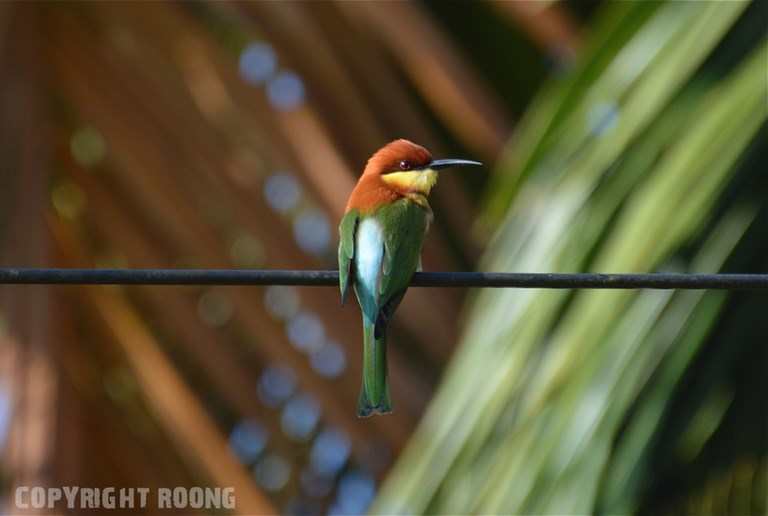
x=347, y=230
x=405, y=224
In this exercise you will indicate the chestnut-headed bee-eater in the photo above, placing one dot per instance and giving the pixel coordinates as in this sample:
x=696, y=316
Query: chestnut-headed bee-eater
x=381, y=235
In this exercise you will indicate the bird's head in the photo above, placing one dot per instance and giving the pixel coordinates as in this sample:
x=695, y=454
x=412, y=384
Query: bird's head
x=409, y=168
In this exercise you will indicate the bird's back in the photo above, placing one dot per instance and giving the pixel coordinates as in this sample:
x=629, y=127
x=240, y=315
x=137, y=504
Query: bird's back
x=388, y=249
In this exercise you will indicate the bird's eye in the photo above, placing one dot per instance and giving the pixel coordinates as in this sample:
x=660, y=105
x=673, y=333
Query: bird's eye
x=405, y=165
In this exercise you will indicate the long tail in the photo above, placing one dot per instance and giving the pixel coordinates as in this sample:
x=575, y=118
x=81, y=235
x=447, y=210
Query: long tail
x=374, y=395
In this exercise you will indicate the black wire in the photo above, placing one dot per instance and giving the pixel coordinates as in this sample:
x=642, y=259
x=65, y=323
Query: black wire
x=420, y=279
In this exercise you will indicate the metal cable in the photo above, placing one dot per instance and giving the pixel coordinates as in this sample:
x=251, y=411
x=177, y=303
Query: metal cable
x=420, y=279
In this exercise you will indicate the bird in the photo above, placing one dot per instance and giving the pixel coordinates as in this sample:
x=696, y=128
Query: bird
x=380, y=239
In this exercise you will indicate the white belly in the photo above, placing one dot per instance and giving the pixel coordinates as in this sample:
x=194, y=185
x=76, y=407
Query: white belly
x=369, y=251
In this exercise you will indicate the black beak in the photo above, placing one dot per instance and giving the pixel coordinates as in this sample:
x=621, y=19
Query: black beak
x=438, y=164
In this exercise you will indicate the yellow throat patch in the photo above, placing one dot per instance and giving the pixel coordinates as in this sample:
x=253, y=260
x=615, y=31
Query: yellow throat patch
x=414, y=181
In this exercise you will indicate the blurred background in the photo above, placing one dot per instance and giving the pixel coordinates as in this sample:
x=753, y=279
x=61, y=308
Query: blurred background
x=619, y=137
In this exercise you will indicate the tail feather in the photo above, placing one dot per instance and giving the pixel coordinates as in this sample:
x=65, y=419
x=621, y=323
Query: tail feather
x=374, y=395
